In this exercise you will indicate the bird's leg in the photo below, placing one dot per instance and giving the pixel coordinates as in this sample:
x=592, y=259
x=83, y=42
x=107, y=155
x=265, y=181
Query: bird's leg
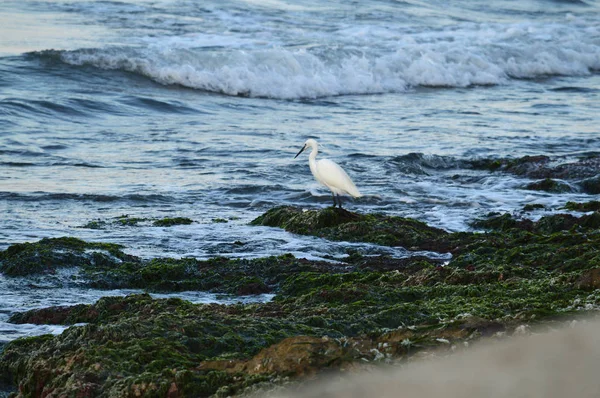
x=339, y=201
x=333, y=196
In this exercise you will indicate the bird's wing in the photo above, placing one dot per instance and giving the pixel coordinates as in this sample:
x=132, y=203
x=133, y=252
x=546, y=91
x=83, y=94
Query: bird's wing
x=332, y=175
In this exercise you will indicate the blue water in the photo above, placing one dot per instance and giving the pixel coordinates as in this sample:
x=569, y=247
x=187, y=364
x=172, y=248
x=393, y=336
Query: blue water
x=196, y=109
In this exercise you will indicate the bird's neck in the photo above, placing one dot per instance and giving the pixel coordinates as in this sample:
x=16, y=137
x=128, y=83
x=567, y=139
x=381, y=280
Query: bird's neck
x=312, y=160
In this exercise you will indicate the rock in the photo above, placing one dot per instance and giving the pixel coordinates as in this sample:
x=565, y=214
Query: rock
x=589, y=279
x=298, y=356
x=169, y=222
x=533, y=206
x=49, y=254
x=549, y=185
x=591, y=185
x=340, y=224
x=542, y=167
x=584, y=207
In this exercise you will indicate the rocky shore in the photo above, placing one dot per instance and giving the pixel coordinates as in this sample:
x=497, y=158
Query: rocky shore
x=512, y=276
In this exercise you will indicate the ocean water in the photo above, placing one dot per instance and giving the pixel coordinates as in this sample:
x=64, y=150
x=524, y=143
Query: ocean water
x=196, y=109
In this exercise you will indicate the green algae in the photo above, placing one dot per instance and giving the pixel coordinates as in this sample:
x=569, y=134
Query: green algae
x=171, y=221
x=127, y=221
x=222, y=275
x=49, y=254
x=339, y=224
x=593, y=205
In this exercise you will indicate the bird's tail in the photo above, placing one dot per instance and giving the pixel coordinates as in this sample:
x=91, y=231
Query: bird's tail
x=355, y=192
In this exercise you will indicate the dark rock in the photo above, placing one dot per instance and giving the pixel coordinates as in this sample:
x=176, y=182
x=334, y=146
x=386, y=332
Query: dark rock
x=591, y=185
x=533, y=206
x=542, y=167
x=169, y=222
x=549, y=185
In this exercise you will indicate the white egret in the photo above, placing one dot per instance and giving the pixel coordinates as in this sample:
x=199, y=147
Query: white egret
x=329, y=173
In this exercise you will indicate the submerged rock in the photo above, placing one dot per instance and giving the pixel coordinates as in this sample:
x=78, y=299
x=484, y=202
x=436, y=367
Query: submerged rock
x=584, y=172
x=542, y=167
x=126, y=221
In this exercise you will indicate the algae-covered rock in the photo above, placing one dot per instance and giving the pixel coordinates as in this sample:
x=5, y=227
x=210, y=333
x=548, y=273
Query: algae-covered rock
x=126, y=220
x=549, y=185
x=533, y=206
x=340, y=224
x=51, y=253
x=593, y=205
x=545, y=225
x=170, y=221
x=140, y=343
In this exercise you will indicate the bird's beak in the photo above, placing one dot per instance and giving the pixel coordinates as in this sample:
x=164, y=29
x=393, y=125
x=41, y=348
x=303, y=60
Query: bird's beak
x=303, y=148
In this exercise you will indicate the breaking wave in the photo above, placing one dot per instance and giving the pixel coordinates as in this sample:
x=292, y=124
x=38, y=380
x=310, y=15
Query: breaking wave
x=472, y=55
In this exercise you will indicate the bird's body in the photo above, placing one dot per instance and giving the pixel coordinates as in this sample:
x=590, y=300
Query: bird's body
x=330, y=174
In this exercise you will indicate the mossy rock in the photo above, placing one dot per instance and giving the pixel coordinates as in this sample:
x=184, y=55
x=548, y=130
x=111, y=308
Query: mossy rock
x=49, y=254
x=533, y=206
x=499, y=222
x=171, y=221
x=339, y=224
x=125, y=220
x=593, y=205
x=549, y=185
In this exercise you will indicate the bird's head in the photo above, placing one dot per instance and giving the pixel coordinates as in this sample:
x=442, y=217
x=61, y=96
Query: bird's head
x=309, y=143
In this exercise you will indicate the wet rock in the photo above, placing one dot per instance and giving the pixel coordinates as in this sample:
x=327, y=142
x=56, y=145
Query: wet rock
x=591, y=185
x=533, y=206
x=49, y=316
x=127, y=221
x=545, y=225
x=340, y=224
x=169, y=222
x=583, y=173
x=49, y=254
x=542, y=167
x=501, y=222
x=584, y=207
x=549, y=185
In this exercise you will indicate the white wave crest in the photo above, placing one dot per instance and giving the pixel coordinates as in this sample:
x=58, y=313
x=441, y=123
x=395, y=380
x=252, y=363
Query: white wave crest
x=473, y=55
